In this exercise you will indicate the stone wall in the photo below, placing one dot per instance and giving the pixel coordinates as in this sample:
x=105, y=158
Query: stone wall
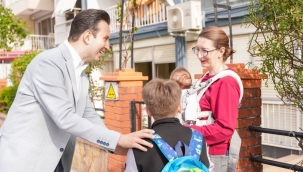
x=89, y=157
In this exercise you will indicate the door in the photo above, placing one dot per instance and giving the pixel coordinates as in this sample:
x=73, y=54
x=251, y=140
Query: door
x=164, y=70
x=146, y=69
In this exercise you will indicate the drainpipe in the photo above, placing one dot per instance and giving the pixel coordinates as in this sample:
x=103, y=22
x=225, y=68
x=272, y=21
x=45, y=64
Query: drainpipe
x=84, y=4
x=180, y=48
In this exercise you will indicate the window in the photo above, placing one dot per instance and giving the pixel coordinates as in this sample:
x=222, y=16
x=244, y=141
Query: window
x=46, y=26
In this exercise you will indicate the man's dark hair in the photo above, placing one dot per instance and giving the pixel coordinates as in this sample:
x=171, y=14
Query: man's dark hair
x=87, y=20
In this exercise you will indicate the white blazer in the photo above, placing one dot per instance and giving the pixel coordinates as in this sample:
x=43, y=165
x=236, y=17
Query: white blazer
x=44, y=120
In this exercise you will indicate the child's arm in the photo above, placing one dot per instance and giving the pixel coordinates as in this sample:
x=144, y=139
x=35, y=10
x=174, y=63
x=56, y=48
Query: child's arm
x=130, y=165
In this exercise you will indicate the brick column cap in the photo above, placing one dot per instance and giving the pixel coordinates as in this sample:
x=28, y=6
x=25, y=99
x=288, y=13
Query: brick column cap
x=125, y=74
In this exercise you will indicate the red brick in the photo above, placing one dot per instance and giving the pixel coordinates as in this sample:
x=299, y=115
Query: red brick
x=140, y=97
x=122, y=90
x=116, y=163
x=245, y=162
x=117, y=103
x=130, y=83
x=120, y=158
x=109, y=102
x=254, y=168
x=252, y=83
x=249, y=112
x=109, y=115
x=116, y=123
x=132, y=96
x=254, y=150
x=133, y=89
x=245, y=122
x=110, y=127
x=120, y=110
x=110, y=110
x=124, y=130
x=125, y=124
x=106, y=122
x=123, y=117
x=112, y=168
x=244, y=132
x=251, y=141
x=251, y=102
x=251, y=92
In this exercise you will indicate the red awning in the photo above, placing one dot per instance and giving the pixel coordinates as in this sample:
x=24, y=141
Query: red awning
x=10, y=55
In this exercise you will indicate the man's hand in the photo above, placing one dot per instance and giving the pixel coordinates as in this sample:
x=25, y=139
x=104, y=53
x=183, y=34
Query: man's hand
x=134, y=140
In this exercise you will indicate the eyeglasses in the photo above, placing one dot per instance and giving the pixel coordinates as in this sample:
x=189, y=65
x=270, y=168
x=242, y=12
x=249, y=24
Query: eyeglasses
x=201, y=52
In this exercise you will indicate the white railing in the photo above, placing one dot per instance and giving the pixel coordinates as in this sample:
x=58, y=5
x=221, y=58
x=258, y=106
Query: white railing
x=9, y=2
x=277, y=115
x=37, y=42
x=42, y=42
x=145, y=15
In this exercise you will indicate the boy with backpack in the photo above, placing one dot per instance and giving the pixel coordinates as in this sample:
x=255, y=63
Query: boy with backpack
x=172, y=140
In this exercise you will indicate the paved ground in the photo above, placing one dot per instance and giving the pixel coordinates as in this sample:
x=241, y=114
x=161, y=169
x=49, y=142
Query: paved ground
x=291, y=159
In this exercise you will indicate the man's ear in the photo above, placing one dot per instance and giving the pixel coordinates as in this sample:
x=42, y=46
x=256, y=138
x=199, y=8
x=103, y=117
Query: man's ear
x=86, y=36
x=180, y=107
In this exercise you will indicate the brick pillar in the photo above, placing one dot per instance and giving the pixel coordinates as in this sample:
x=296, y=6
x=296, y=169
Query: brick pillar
x=117, y=112
x=248, y=114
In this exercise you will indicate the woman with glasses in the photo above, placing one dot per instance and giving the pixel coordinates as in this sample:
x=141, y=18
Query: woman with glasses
x=221, y=97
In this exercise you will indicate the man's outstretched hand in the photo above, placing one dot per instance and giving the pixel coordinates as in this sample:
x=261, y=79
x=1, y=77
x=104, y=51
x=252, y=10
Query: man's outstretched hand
x=134, y=140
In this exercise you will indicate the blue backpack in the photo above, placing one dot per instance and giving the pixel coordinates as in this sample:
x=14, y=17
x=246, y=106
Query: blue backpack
x=179, y=161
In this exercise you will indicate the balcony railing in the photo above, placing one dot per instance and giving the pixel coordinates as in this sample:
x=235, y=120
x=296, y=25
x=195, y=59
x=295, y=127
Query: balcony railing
x=9, y=2
x=37, y=42
x=145, y=15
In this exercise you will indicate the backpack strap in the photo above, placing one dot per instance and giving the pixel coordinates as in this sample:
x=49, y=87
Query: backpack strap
x=195, y=144
x=169, y=153
x=194, y=149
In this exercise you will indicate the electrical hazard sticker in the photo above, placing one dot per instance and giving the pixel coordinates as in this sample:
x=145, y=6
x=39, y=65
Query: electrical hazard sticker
x=111, y=90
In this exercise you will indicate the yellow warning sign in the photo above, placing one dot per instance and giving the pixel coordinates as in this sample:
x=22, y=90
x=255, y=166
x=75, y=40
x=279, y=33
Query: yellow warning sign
x=111, y=92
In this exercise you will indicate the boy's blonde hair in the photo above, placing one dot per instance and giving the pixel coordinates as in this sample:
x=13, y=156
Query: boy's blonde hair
x=162, y=98
x=182, y=77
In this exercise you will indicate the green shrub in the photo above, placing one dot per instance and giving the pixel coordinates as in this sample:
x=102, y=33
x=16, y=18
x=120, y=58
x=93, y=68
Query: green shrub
x=7, y=96
x=278, y=40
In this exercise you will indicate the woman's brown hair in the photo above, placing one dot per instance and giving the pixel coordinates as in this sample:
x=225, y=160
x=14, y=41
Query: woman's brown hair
x=219, y=38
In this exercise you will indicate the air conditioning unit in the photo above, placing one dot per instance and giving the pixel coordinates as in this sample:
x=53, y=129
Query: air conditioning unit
x=184, y=17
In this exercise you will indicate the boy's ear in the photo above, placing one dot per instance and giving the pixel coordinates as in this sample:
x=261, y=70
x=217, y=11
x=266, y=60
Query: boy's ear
x=180, y=108
x=148, y=112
